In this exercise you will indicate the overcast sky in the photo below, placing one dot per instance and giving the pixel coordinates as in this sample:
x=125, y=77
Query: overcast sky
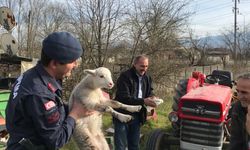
x=213, y=16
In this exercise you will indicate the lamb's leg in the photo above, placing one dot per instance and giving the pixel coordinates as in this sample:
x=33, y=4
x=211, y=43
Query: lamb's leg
x=116, y=104
x=102, y=142
x=84, y=139
x=120, y=116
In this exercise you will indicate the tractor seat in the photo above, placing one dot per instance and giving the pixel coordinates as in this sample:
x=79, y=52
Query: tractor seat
x=226, y=73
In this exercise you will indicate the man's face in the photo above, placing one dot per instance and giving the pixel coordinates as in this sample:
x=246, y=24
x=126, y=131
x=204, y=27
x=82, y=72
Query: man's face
x=141, y=66
x=64, y=70
x=243, y=90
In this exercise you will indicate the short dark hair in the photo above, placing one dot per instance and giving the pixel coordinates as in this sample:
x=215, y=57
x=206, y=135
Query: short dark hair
x=45, y=60
x=137, y=58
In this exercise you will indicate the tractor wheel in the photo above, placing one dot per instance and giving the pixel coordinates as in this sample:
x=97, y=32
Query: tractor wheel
x=180, y=90
x=160, y=140
x=155, y=140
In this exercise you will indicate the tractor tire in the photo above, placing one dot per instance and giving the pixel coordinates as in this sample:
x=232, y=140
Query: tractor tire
x=155, y=140
x=180, y=90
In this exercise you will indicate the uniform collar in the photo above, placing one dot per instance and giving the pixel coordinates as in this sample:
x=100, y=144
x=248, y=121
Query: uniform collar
x=48, y=80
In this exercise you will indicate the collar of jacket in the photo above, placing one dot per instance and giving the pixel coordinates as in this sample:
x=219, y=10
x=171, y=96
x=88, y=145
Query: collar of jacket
x=136, y=74
x=47, y=79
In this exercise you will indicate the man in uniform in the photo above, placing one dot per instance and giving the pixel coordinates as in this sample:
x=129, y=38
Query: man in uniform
x=36, y=117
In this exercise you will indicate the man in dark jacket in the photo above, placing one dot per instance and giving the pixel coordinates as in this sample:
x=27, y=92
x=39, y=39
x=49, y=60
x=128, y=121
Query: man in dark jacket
x=134, y=87
x=36, y=117
x=240, y=117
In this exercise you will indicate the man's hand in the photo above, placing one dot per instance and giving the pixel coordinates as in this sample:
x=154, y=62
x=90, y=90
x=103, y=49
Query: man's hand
x=248, y=120
x=149, y=101
x=79, y=111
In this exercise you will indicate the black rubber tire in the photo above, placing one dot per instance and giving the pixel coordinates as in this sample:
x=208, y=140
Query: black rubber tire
x=154, y=141
x=180, y=90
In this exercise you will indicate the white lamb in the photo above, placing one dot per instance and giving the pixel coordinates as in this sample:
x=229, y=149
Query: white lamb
x=88, y=133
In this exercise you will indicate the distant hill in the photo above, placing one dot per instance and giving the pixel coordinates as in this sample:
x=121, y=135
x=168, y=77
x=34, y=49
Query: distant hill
x=214, y=41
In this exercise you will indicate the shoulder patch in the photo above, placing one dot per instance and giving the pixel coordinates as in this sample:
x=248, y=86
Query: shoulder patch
x=16, y=87
x=54, y=117
x=49, y=105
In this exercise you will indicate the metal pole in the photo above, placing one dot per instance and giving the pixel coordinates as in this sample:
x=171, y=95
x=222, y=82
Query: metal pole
x=244, y=28
x=235, y=28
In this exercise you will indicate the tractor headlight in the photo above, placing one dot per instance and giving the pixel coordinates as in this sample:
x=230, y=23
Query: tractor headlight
x=173, y=117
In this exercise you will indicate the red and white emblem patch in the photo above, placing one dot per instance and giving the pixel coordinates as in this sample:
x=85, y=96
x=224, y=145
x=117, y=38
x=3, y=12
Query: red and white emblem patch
x=49, y=105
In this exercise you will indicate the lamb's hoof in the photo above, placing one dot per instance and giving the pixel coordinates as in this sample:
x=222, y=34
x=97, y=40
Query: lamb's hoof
x=125, y=118
x=139, y=108
x=134, y=108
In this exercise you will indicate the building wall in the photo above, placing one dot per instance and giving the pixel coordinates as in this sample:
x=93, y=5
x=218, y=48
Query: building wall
x=9, y=70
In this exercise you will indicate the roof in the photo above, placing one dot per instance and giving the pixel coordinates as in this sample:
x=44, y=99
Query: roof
x=14, y=59
x=217, y=52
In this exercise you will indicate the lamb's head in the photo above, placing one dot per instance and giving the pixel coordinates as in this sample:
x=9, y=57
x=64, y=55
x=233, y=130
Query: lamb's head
x=101, y=77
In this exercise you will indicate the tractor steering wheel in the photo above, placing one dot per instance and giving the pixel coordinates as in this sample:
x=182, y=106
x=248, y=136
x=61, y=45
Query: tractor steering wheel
x=216, y=78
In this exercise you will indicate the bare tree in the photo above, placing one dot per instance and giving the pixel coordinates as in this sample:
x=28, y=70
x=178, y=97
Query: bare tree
x=189, y=45
x=155, y=25
x=33, y=21
x=242, y=44
x=18, y=9
x=52, y=19
x=196, y=48
x=12, y=4
x=229, y=41
x=97, y=24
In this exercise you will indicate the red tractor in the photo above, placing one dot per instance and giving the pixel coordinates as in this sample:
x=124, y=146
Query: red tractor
x=201, y=114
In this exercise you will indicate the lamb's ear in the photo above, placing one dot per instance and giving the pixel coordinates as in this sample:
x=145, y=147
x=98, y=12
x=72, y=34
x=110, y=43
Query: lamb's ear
x=89, y=71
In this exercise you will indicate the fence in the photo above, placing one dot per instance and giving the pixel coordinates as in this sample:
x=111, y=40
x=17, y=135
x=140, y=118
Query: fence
x=168, y=87
x=203, y=69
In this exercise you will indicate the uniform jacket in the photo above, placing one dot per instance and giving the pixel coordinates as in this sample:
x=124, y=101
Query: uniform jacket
x=239, y=136
x=127, y=91
x=36, y=112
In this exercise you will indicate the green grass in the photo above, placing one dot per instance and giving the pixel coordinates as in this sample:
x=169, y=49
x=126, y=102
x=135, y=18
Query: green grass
x=162, y=122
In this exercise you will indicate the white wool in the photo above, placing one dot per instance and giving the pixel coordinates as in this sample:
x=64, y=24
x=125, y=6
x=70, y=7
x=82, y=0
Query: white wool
x=88, y=133
x=89, y=92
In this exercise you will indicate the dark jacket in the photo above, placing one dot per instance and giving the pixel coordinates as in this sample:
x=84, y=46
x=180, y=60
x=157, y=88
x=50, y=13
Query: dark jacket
x=127, y=91
x=239, y=136
x=36, y=112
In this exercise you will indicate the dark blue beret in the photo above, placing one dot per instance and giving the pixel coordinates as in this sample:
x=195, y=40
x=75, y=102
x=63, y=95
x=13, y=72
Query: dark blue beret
x=62, y=47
